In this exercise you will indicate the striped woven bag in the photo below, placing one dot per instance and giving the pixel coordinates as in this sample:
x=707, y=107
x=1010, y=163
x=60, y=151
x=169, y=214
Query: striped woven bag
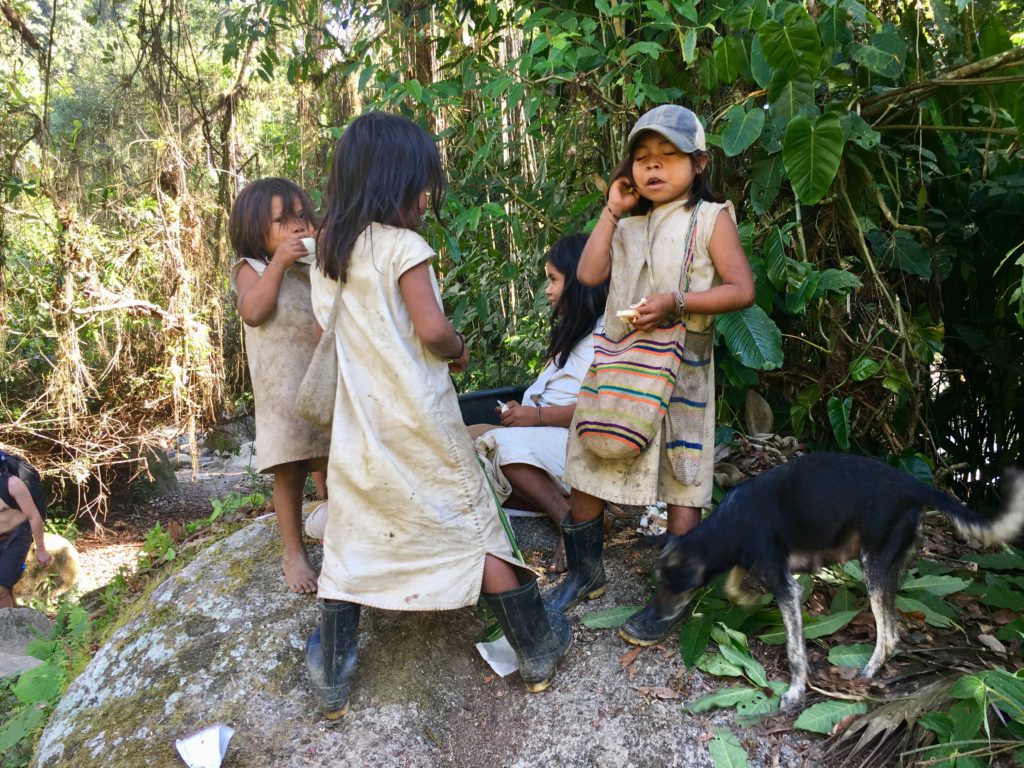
x=626, y=392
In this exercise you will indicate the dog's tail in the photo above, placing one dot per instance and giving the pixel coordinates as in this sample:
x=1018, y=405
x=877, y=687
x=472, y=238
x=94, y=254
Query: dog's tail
x=1005, y=526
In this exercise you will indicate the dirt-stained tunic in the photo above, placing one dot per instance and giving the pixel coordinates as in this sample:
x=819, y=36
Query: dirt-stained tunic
x=649, y=477
x=411, y=516
x=279, y=352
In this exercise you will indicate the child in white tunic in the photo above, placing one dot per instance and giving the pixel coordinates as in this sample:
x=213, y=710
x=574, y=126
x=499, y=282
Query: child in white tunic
x=412, y=524
x=663, y=182
x=527, y=457
x=268, y=221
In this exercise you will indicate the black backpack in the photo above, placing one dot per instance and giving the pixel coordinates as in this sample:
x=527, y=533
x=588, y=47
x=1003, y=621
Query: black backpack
x=14, y=466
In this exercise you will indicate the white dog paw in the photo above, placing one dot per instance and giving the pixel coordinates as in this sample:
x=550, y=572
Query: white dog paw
x=792, y=699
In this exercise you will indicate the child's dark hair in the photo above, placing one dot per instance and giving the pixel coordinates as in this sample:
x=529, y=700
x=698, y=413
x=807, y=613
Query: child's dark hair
x=702, y=189
x=382, y=164
x=250, y=222
x=579, y=306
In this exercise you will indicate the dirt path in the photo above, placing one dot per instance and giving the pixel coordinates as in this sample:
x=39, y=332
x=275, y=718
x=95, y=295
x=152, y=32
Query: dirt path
x=104, y=552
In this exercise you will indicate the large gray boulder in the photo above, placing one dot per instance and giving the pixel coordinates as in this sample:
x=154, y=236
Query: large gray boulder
x=19, y=627
x=222, y=641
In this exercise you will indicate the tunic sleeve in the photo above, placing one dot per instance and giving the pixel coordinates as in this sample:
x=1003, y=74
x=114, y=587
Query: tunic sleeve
x=413, y=250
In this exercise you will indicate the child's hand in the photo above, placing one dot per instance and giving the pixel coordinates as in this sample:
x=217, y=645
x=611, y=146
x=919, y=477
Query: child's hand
x=622, y=196
x=519, y=415
x=460, y=363
x=654, y=311
x=43, y=557
x=289, y=251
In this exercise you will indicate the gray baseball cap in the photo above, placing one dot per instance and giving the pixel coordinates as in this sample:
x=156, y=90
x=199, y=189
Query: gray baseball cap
x=677, y=124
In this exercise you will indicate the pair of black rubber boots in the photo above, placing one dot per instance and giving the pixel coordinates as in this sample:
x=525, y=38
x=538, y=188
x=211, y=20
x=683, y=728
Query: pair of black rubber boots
x=539, y=637
x=586, y=580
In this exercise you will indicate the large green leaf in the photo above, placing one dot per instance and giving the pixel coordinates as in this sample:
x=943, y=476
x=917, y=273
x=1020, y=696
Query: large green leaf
x=753, y=337
x=935, y=585
x=609, y=618
x=828, y=625
x=855, y=655
x=775, y=261
x=901, y=250
x=726, y=751
x=742, y=129
x=857, y=130
x=931, y=616
x=723, y=698
x=822, y=717
x=834, y=27
x=16, y=728
x=40, y=683
x=838, y=281
x=792, y=45
x=790, y=96
x=760, y=69
x=693, y=638
x=884, y=55
x=730, y=59
x=765, y=182
x=812, y=152
x=839, y=418
x=716, y=664
x=746, y=14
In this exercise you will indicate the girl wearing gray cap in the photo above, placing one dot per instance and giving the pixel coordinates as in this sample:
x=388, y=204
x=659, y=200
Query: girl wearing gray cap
x=675, y=218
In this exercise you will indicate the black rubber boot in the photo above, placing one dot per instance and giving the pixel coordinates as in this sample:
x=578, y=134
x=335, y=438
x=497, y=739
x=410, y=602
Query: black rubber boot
x=539, y=637
x=650, y=625
x=331, y=657
x=584, y=545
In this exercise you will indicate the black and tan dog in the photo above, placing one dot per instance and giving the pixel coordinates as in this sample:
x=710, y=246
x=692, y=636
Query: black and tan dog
x=816, y=510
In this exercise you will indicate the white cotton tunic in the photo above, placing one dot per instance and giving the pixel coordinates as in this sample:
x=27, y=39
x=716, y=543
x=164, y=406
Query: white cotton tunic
x=411, y=516
x=542, y=447
x=649, y=476
x=279, y=351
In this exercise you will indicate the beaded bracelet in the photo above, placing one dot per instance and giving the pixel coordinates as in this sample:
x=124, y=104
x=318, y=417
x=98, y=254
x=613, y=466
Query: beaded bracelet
x=611, y=213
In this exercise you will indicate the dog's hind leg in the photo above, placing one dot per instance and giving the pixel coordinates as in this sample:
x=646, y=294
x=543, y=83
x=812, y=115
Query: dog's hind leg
x=787, y=594
x=882, y=577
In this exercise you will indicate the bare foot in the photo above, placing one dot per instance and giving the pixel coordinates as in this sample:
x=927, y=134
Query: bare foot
x=558, y=564
x=299, y=575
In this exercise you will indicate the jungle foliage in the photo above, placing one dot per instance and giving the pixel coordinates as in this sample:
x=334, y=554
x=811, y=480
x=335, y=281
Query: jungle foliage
x=871, y=149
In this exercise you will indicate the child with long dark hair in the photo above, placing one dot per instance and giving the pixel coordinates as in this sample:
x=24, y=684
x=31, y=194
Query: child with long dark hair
x=267, y=225
x=412, y=524
x=527, y=459
x=674, y=212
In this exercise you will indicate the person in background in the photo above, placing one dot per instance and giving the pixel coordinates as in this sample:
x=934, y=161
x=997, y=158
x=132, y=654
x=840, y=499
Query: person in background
x=526, y=459
x=267, y=225
x=22, y=507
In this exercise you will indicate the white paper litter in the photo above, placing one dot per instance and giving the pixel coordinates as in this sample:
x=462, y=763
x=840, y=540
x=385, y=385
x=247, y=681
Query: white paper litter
x=205, y=748
x=499, y=654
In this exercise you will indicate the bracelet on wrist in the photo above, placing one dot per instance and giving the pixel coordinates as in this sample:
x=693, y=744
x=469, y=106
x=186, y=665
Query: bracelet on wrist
x=540, y=421
x=680, y=300
x=462, y=347
x=611, y=213
x=273, y=263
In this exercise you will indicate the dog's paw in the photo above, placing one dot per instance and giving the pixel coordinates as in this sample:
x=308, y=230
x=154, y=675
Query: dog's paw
x=792, y=699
